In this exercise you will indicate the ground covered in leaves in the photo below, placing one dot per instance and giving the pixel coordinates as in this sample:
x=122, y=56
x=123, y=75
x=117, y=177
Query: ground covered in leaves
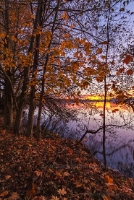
x=56, y=169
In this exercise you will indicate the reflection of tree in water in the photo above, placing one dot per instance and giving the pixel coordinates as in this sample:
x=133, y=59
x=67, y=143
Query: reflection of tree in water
x=117, y=124
x=96, y=148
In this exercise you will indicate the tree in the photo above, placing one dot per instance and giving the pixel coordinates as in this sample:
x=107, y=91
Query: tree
x=43, y=41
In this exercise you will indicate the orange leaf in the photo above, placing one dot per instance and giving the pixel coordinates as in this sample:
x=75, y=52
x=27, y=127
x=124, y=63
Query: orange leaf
x=99, y=78
x=129, y=72
x=78, y=160
x=3, y=194
x=99, y=50
x=128, y=59
x=103, y=57
x=66, y=174
x=106, y=197
x=120, y=71
x=7, y=177
x=62, y=191
x=54, y=197
x=70, y=151
x=108, y=179
x=14, y=196
x=32, y=192
x=38, y=173
x=112, y=187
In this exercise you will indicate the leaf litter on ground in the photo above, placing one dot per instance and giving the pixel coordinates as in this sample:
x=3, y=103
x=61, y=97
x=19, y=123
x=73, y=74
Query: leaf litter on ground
x=56, y=169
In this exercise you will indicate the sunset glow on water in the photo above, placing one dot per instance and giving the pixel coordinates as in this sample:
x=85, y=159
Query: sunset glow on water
x=99, y=105
x=119, y=136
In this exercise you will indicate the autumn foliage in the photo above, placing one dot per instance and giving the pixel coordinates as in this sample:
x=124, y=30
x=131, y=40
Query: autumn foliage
x=45, y=51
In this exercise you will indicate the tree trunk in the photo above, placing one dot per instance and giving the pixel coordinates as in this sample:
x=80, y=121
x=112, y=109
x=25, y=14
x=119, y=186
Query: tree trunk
x=44, y=71
x=22, y=100
x=35, y=65
x=31, y=112
x=17, y=124
x=104, y=124
x=39, y=119
x=18, y=119
x=8, y=105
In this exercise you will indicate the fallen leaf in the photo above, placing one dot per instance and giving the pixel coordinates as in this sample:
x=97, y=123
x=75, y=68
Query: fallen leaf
x=3, y=194
x=112, y=187
x=106, y=197
x=38, y=173
x=39, y=198
x=7, y=177
x=62, y=191
x=14, y=196
x=58, y=174
x=54, y=197
x=70, y=151
x=32, y=192
x=66, y=174
x=108, y=179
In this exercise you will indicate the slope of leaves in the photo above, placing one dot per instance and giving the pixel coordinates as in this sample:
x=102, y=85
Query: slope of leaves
x=56, y=168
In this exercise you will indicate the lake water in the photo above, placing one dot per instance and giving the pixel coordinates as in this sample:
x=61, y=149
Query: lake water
x=119, y=133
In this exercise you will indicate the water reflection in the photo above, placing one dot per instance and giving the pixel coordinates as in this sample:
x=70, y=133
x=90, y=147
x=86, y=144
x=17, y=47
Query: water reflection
x=119, y=137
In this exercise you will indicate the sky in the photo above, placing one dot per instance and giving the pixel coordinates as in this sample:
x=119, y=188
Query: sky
x=131, y=8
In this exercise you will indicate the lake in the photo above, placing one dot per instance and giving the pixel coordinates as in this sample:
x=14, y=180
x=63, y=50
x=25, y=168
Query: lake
x=119, y=132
